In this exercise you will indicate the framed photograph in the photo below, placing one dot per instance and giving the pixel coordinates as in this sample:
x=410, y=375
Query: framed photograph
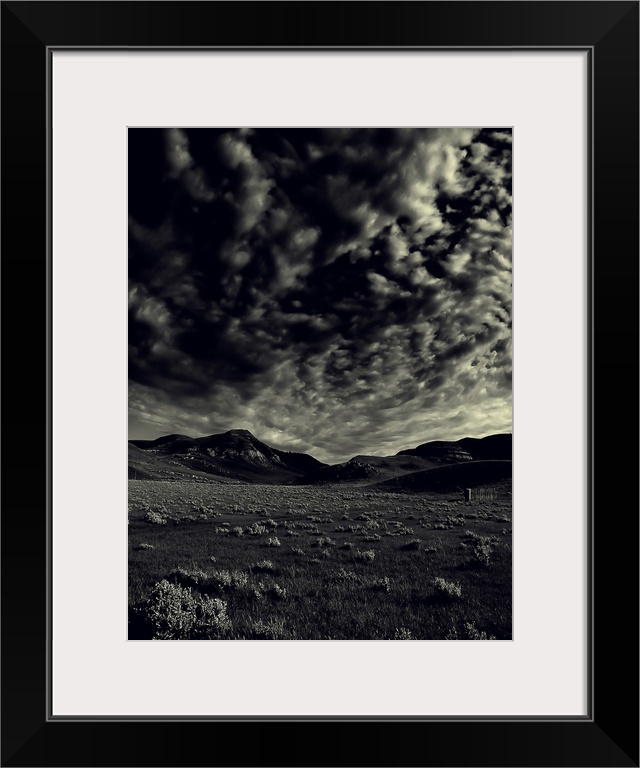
x=364, y=258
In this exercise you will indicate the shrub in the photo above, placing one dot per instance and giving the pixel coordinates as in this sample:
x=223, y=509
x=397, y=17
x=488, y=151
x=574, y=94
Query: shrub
x=473, y=633
x=274, y=542
x=264, y=566
x=309, y=527
x=142, y=545
x=188, y=578
x=346, y=577
x=256, y=529
x=155, y=517
x=381, y=585
x=325, y=541
x=480, y=547
x=236, y=531
x=225, y=580
x=447, y=589
x=404, y=530
x=269, y=630
x=364, y=556
x=402, y=633
x=204, y=512
x=173, y=612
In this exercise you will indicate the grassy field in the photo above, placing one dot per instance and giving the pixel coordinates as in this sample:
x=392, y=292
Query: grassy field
x=211, y=561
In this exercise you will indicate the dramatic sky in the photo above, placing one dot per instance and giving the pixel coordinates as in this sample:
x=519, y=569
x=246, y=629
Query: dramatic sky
x=334, y=291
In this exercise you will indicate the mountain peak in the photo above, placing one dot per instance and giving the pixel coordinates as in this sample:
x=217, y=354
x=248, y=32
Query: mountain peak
x=240, y=433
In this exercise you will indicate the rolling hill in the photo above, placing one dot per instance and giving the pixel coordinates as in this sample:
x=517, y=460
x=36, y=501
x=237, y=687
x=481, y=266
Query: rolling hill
x=452, y=477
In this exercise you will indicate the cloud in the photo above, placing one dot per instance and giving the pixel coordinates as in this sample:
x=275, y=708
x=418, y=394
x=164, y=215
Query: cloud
x=334, y=291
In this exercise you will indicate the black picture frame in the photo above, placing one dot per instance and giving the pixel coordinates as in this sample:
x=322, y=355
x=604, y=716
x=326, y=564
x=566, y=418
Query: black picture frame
x=608, y=736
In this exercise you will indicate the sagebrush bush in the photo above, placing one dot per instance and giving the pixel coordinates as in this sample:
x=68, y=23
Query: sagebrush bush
x=224, y=580
x=473, y=633
x=273, y=542
x=173, y=612
x=480, y=548
x=364, y=556
x=273, y=629
x=264, y=566
x=447, y=589
x=381, y=585
x=256, y=529
x=470, y=632
x=346, y=577
x=155, y=517
x=325, y=541
x=188, y=578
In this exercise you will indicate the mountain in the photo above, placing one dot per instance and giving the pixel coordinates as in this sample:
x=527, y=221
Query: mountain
x=494, y=447
x=236, y=455
x=350, y=471
x=364, y=470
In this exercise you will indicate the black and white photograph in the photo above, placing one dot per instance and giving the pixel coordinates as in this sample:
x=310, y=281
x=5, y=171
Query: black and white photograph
x=320, y=383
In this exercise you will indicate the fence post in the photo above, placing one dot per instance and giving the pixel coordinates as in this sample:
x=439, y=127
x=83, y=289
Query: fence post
x=467, y=494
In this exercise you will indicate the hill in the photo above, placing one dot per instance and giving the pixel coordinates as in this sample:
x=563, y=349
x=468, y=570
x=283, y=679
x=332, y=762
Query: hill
x=236, y=455
x=451, y=477
x=493, y=447
x=366, y=469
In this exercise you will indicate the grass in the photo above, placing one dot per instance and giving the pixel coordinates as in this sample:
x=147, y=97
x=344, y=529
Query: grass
x=349, y=563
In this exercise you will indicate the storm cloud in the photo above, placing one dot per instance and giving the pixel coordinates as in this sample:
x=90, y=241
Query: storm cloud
x=335, y=291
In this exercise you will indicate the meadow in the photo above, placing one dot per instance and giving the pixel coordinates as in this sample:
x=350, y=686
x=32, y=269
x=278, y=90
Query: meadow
x=263, y=562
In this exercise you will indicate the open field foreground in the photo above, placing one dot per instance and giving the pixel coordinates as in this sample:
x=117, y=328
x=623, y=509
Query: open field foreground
x=263, y=562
